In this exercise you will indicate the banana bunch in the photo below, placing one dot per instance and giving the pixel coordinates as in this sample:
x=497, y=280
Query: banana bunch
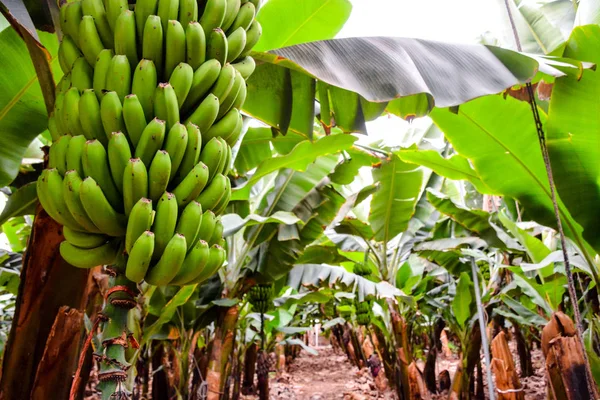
x=361, y=269
x=143, y=124
x=363, y=312
x=260, y=296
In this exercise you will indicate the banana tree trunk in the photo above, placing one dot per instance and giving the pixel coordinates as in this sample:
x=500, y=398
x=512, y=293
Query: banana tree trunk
x=280, y=354
x=429, y=370
x=249, y=369
x=404, y=355
x=262, y=370
x=47, y=284
x=222, y=347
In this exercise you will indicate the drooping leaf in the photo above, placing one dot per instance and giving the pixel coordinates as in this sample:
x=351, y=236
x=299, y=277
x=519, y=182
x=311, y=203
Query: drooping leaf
x=167, y=312
x=21, y=202
x=536, y=249
x=233, y=222
x=254, y=148
x=298, y=342
x=461, y=304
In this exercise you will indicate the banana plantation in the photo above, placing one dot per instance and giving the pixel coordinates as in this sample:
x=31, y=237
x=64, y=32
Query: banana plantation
x=226, y=199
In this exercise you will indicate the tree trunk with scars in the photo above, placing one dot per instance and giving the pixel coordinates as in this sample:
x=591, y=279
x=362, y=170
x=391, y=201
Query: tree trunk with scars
x=222, y=347
x=249, y=369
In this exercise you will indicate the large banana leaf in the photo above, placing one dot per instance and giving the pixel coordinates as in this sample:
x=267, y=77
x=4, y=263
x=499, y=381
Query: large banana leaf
x=574, y=136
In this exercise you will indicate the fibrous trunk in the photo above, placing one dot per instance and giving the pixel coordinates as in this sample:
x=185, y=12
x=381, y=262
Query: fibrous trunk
x=221, y=349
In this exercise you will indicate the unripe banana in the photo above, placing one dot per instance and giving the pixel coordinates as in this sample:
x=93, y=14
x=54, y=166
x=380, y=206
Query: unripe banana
x=43, y=194
x=175, y=144
x=212, y=154
x=204, y=79
x=143, y=9
x=244, y=17
x=103, y=62
x=228, y=161
x=192, y=152
x=224, y=83
x=82, y=74
x=84, y=240
x=64, y=84
x=71, y=112
x=145, y=79
x=72, y=187
x=111, y=113
x=206, y=113
x=151, y=141
x=135, y=183
x=191, y=186
x=97, y=207
x=216, y=258
x=90, y=117
x=188, y=12
x=88, y=258
x=245, y=66
x=175, y=46
x=193, y=264
x=158, y=174
x=236, y=42
x=213, y=15
x=164, y=222
x=95, y=165
x=195, y=41
x=189, y=223
x=165, y=104
x=134, y=118
x=231, y=98
x=240, y=99
x=119, y=154
x=217, y=233
x=152, y=44
x=217, y=47
x=73, y=12
x=53, y=128
x=181, y=80
x=75, y=153
x=96, y=9
x=139, y=221
x=252, y=35
x=58, y=113
x=114, y=8
x=207, y=227
x=212, y=194
x=237, y=131
x=58, y=154
x=55, y=187
x=125, y=37
x=68, y=52
x=257, y=4
x=140, y=257
x=169, y=263
x=167, y=10
x=232, y=10
x=89, y=40
x=225, y=127
x=119, y=76
x=222, y=204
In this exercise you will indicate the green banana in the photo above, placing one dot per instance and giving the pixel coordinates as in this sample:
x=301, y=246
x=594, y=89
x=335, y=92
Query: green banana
x=195, y=42
x=152, y=43
x=166, y=107
x=135, y=184
x=72, y=187
x=188, y=12
x=212, y=154
x=175, y=46
x=114, y=8
x=252, y=35
x=167, y=10
x=134, y=118
x=245, y=66
x=58, y=154
x=189, y=223
x=206, y=113
x=139, y=221
x=224, y=202
x=175, y=144
x=82, y=74
x=75, y=153
x=181, y=80
x=71, y=112
x=119, y=76
x=244, y=17
x=144, y=83
x=217, y=233
x=144, y=9
x=212, y=194
x=158, y=174
x=95, y=9
x=97, y=207
x=89, y=258
x=125, y=37
x=207, y=226
x=103, y=62
x=241, y=96
x=236, y=42
x=192, y=153
x=217, y=47
x=193, y=264
x=68, y=52
x=119, y=154
x=191, y=186
x=43, y=194
x=228, y=165
x=140, y=257
x=165, y=222
x=169, y=263
x=151, y=141
x=73, y=12
x=231, y=99
x=95, y=165
x=237, y=131
x=204, y=79
x=90, y=118
x=84, y=240
x=58, y=113
x=224, y=83
x=55, y=187
x=257, y=4
x=89, y=40
x=111, y=113
x=216, y=258
x=232, y=10
x=213, y=15
x=224, y=127
x=53, y=127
